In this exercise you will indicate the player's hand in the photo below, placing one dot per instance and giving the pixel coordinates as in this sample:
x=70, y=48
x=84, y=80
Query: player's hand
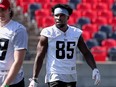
x=33, y=83
x=96, y=76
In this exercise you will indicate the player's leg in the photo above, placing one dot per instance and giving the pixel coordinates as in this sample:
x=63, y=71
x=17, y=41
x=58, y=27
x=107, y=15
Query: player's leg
x=71, y=84
x=57, y=84
x=20, y=84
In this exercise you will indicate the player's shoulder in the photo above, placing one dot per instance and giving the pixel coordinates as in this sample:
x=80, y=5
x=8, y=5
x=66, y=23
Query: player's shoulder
x=47, y=31
x=16, y=26
x=74, y=28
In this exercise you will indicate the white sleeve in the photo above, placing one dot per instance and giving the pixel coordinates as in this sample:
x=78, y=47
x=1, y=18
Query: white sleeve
x=20, y=39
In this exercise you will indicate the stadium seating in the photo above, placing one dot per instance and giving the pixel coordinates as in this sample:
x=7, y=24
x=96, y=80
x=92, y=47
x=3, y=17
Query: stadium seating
x=107, y=29
x=99, y=21
x=71, y=20
x=113, y=8
x=106, y=14
x=89, y=13
x=108, y=2
x=24, y=4
x=82, y=21
x=32, y=8
x=60, y=1
x=99, y=53
x=83, y=6
x=74, y=3
x=112, y=22
x=86, y=35
x=108, y=43
x=39, y=21
x=91, y=28
x=112, y=54
x=47, y=21
x=113, y=36
x=42, y=12
x=75, y=15
x=47, y=5
x=100, y=7
x=100, y=36
x=42, y=2
x=91, y=43
x=90, y=1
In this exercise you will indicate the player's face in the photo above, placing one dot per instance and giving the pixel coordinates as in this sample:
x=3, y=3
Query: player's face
x=4, y=15
x=61, y=20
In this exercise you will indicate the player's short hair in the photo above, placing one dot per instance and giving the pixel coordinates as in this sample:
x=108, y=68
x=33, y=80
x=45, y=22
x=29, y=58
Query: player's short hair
x=64, y=6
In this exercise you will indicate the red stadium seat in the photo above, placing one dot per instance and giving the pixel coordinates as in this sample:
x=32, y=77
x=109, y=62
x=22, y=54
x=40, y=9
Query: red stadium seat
x=42, y=12
x=25, y=7
x=24, y=4
x=43, y=1
x=47, y=21
x=99, y=53
x=75, y=15
x=91, y=28
x=90, y=1
x=100, y=7
x=86, y=35
x=83, y=6
x=99, y=21
x=19, y=2
x=39, y=21
x=89, y=13
x=112, y=21
x=108, y=2
x=71, y=21
x=60, y=1
x=106, y=14
x=47, y=6
x=108, y=43
x=112, y=54
x=91, y=43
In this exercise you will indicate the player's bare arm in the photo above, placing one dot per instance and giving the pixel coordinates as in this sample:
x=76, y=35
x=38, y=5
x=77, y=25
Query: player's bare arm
x=86, y=53
x=18, y=60
x=41, y=51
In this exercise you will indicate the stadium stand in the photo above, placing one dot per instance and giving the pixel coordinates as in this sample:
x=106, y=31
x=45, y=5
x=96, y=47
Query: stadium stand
x=90, y=14
x=100, y=7
x=99, y=53
x=91, y=43
x=113, y=8
x=83, y=6
x=75, y=16
x=90, y=1
x=74, y=3
x=99, y=21
x=112, y=54
x=112, y=22
x=113, y=36
x=91, y=28
x=32, y=8
x=108, y=43
x=106, y=29
x=48, y=21
x=100, y=36
x=86, y=35
x=82, y=21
